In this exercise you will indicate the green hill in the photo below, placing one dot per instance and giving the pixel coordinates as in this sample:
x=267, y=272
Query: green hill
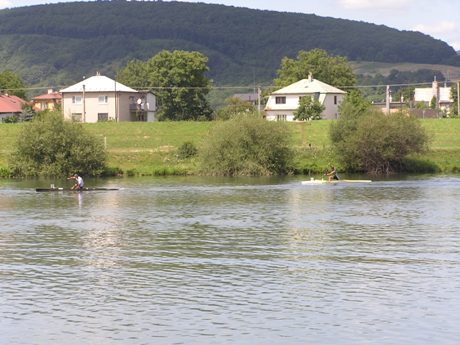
x=58, y=44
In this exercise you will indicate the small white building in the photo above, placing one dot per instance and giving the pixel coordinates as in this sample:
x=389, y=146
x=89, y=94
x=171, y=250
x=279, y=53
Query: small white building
x=442, y=95
x=100, y=98
x=282, y=103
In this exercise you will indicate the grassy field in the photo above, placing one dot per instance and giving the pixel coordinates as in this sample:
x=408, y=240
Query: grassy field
x=151, y=148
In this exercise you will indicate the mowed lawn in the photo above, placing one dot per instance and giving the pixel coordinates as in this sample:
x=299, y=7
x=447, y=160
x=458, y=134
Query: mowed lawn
x=444, y=144
x=143, y=146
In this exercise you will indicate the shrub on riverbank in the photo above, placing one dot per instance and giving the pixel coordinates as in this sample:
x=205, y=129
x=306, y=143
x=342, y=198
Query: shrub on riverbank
x=5, y=173
x=50, y=146
x=377, y=143
x=247, y=145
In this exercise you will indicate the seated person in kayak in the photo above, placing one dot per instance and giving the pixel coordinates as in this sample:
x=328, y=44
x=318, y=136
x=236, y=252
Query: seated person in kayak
x=78, y=181
x=332, y=175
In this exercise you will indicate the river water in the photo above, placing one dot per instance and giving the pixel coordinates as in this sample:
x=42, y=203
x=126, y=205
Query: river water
x=231, y=261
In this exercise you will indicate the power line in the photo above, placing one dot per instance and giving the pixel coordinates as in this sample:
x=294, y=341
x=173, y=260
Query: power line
x=212, y=87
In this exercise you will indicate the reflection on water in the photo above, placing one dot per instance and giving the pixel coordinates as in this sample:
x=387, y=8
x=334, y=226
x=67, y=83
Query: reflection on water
x=203, y=261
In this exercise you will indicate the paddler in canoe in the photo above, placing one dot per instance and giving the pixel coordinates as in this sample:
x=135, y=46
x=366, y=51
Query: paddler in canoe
x=79, y=183
x=332, y=175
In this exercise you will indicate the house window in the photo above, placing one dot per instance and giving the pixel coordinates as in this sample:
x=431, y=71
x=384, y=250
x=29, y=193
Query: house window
x=43, y=106
x=316, y=96
x=102, y=117
x=335, y=99
x=281, y=117
x=280, y=100
x=102, y=99
x=76, y=99
x=76, y=117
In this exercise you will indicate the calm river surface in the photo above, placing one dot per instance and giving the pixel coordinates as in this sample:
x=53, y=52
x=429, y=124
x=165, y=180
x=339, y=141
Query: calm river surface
x=231, y=261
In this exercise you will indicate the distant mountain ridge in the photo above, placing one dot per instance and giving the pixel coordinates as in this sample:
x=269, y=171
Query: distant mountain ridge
x=57, y=44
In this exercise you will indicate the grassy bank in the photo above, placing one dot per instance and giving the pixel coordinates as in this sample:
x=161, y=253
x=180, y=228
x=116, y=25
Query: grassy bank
x=151, y=148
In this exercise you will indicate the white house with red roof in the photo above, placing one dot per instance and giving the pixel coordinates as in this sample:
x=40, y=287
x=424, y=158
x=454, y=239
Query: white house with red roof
x=282, y=103
x=10, y=106
x=100, y=98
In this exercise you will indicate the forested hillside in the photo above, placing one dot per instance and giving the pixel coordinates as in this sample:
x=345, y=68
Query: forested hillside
x=57, y=44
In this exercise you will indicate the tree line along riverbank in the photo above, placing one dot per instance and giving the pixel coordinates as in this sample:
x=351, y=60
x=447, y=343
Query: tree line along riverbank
x=152, y=148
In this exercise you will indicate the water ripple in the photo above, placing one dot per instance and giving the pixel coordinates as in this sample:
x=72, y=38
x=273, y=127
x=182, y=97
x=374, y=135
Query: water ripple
x=179, y=262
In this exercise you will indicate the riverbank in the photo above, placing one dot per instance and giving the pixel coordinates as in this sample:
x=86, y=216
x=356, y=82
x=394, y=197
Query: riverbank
x=151, y=148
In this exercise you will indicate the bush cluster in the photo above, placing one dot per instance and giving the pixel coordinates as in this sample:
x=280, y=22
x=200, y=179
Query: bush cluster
x=366, y=140
x=247, y=145
x=50, y=146
x=187, y=150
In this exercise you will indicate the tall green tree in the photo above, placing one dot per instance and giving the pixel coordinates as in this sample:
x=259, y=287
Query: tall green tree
x=433, y=102
x=179, y=81
x=12, y=84
x=134, y=74
x=332, y=70
x=354, y=105
x=309, y=109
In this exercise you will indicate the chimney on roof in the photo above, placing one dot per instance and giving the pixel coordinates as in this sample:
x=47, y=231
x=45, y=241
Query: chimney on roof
x=50, y=91
x=310, y=77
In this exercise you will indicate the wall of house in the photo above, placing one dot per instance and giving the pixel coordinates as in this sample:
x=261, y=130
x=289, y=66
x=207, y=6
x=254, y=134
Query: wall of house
x=42, y=105
x=126, y=106
x=281, y=111
x=94, y=108
x=292, y=102
x=4, y=116
x=279, y=115
x=332, y=102
x=152, y=107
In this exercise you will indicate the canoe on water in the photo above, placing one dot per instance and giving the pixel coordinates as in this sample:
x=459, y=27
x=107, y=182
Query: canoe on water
x=313, y=181
x=73, y=190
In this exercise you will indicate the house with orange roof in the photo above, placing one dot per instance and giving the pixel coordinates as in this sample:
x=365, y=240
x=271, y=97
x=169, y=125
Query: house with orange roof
x=10, y=106
x=48, y=101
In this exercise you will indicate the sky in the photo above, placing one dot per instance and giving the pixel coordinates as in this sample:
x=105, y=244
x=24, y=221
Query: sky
x=437, y=18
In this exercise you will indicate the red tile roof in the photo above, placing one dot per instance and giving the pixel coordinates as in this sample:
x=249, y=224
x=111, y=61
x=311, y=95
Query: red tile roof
x=52, y=95
x=10, y=104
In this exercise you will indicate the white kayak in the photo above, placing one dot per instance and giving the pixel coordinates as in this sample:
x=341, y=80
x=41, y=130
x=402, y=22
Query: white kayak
x=322, y=181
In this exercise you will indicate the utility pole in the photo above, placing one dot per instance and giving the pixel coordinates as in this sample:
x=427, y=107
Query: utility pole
x=458, y=98
x=387, y=103
x=115, y=99
x=84, y=105
x=258, y=99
